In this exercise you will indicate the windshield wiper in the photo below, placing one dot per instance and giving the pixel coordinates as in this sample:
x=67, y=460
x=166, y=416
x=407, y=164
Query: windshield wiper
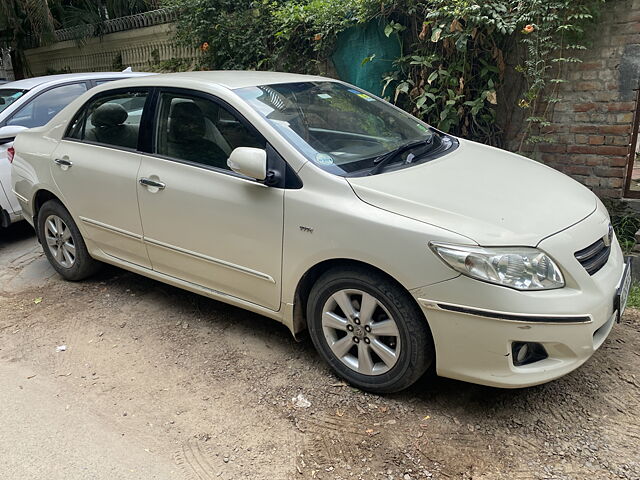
x=384, y=159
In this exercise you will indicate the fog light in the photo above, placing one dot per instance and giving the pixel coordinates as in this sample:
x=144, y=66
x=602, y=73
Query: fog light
x=524, y=353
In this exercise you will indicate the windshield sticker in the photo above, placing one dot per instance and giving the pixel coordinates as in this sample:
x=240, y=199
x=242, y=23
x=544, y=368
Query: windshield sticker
x=422, y=127
x=366, y=97
x=324, y=95
x=324, y=159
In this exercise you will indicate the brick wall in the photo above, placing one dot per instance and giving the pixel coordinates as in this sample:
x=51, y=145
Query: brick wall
x=591, y=126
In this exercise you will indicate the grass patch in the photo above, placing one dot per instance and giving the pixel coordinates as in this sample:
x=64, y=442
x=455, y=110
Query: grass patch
x=634, y=296
x=625, y=222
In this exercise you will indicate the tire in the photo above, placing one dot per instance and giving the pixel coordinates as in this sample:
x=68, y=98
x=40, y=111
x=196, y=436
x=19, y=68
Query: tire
x=67, y=253
x=410, y=341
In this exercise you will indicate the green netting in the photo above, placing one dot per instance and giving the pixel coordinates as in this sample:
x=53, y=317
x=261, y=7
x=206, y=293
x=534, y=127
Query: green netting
x=358, y=43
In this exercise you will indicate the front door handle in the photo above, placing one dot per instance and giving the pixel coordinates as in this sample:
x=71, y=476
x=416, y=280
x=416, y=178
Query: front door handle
x=147, y=182
x=63, y=162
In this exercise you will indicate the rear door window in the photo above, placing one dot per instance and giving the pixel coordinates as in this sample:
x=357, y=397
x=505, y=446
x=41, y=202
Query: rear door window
x=111, y=120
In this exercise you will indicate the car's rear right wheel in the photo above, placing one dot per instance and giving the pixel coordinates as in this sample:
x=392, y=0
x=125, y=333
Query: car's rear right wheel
x=63, y=243
x=369, y=330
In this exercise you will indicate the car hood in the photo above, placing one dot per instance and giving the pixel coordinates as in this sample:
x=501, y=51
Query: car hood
x=489, y=195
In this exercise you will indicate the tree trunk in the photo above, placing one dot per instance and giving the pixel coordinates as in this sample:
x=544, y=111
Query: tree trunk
x=18, y=61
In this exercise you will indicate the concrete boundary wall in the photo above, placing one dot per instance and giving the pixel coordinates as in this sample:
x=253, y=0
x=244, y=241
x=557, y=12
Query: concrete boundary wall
x=138, y=48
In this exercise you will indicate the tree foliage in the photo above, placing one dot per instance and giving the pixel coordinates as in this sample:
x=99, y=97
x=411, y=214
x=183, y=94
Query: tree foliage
x=453, y=64
x=29, y=23
x=293, y=35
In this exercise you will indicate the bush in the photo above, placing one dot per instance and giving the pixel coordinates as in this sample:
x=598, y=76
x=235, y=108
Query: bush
x=232, y=34
x=267, y=34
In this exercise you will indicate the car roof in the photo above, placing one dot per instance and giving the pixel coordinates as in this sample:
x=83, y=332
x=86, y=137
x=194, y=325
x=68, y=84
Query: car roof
x=29, y=83
x=230, y=79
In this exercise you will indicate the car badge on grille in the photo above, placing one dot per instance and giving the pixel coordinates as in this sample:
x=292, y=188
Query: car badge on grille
x=608, y=238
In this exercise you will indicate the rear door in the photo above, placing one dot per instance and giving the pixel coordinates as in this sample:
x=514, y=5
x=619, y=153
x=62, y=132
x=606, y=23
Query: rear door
x=95, y=167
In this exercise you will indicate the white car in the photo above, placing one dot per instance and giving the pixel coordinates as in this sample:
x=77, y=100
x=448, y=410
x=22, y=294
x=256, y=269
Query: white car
x=32, y=103
x=312, y=202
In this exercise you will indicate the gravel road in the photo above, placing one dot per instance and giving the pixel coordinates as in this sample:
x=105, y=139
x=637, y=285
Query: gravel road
x=159, y=383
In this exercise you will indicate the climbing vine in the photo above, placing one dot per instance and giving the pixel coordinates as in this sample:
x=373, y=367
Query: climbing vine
x=455, y=64
x=554, y=32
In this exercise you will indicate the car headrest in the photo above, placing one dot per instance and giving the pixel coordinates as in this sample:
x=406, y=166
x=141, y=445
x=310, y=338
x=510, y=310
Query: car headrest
x=109, y=115
x=186, y=110
x=186, y=122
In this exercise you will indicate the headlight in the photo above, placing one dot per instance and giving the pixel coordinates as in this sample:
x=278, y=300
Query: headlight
x=521, y=268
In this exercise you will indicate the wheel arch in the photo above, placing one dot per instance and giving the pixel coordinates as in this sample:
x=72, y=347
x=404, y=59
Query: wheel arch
x=308, y=279
x=40, y=198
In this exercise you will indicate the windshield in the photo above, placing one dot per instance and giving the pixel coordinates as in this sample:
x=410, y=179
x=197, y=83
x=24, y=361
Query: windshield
x=8, y=96
x=340, y=128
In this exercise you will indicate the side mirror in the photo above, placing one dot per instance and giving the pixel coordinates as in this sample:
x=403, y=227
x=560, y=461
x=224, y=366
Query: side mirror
x=9, y=132
x=249, y=161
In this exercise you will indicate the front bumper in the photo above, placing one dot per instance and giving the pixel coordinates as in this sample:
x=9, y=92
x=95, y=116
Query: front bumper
x=571, y=323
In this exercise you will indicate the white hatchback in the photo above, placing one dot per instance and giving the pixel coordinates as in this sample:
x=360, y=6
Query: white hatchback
x=398, y=247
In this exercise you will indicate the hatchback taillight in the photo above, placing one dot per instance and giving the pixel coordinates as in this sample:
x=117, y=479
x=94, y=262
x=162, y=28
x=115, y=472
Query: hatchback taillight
x=10, y=153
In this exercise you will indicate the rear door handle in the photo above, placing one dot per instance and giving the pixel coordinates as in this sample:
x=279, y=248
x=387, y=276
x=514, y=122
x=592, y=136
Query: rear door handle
x=147, y=182
x=63, y=162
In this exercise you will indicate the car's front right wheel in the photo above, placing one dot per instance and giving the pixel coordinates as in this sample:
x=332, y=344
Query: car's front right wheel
x=63, y=243
x=369, y=329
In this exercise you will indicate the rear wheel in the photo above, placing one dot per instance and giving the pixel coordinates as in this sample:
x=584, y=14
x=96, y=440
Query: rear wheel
x=369, y=330
x=63, y=244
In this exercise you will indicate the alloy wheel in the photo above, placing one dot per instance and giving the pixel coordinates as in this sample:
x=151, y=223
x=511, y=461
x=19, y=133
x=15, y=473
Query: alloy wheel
x=360, y=332
x=60, y=241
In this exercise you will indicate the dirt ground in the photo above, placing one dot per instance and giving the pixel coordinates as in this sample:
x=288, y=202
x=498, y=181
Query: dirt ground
x=204, y=390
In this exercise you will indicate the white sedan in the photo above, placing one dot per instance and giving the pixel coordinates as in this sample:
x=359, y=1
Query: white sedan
x=398, y=247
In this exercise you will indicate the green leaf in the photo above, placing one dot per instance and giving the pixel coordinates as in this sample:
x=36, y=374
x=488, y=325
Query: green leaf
x=366, y=60
x=435, y=35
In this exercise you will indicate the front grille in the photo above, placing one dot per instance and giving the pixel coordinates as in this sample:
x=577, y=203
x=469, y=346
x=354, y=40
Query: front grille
x=594, y=257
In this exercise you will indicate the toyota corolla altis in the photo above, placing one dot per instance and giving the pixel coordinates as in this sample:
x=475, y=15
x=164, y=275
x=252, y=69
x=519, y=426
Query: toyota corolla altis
x=310, y=201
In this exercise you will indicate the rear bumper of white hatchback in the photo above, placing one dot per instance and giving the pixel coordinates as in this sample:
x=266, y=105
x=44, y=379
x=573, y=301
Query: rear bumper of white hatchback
x=478, y=328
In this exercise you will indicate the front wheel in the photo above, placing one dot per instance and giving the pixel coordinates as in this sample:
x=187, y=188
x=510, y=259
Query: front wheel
x=63, y=244
x=369, y=330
